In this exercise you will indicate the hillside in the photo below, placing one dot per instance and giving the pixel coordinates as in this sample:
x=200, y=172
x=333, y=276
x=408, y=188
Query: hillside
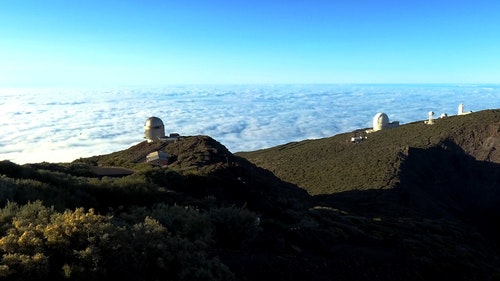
x=336, y=164
x=418, y=202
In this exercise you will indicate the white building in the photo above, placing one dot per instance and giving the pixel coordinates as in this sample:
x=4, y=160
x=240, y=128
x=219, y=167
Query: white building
x=461, y=109
x=381, y=121
x=154, y=129
x=158, y=158
x=430, y=121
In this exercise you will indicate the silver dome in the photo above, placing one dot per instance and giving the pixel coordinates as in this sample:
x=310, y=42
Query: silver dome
x=154, y=129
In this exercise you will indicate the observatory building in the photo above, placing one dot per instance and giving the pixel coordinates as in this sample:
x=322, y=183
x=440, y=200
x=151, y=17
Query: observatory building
x=381, y=121
x=154, y=129
x=461, y=110
x=431, y=118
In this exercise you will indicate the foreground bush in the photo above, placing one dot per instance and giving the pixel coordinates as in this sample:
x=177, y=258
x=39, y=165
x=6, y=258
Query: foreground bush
x=38, y=242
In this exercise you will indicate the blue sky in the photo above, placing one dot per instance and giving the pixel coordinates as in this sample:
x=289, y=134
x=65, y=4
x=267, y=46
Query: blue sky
x=150, y=43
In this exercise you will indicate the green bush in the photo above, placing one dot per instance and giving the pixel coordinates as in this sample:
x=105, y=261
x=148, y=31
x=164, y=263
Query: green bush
x=14, y=170
x=7, y=190
x=38, y=242
x=234, y=227
x=184, y=221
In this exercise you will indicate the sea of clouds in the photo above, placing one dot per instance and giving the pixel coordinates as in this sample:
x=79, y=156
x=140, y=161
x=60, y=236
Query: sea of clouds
x=55, y=125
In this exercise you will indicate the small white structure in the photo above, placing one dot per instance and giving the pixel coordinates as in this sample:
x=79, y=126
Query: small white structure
x=381, y=121
x=444, y=115
x=357, y=139
x=431, y=118
x=154, y=129
x=461, y=109
x=157, y=158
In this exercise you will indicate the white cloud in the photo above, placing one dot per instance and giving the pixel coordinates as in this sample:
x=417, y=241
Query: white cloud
x=62, y=125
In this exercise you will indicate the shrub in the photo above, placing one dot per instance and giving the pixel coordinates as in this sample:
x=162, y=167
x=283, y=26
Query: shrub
x=234, y=227
x=38, y=242
x=8, y=190
x=184, y=221
x=14, y=170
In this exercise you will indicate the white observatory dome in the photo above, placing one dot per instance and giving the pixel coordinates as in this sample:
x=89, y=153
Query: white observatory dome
x=380, y=121
x=154, y=129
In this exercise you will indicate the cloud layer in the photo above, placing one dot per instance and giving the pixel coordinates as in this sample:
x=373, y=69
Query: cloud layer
x=64, y=125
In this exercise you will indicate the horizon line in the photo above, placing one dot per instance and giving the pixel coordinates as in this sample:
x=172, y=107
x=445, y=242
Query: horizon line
x=250, y=84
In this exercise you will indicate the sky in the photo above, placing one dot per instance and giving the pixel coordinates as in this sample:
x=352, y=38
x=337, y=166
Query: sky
x=152, y=43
